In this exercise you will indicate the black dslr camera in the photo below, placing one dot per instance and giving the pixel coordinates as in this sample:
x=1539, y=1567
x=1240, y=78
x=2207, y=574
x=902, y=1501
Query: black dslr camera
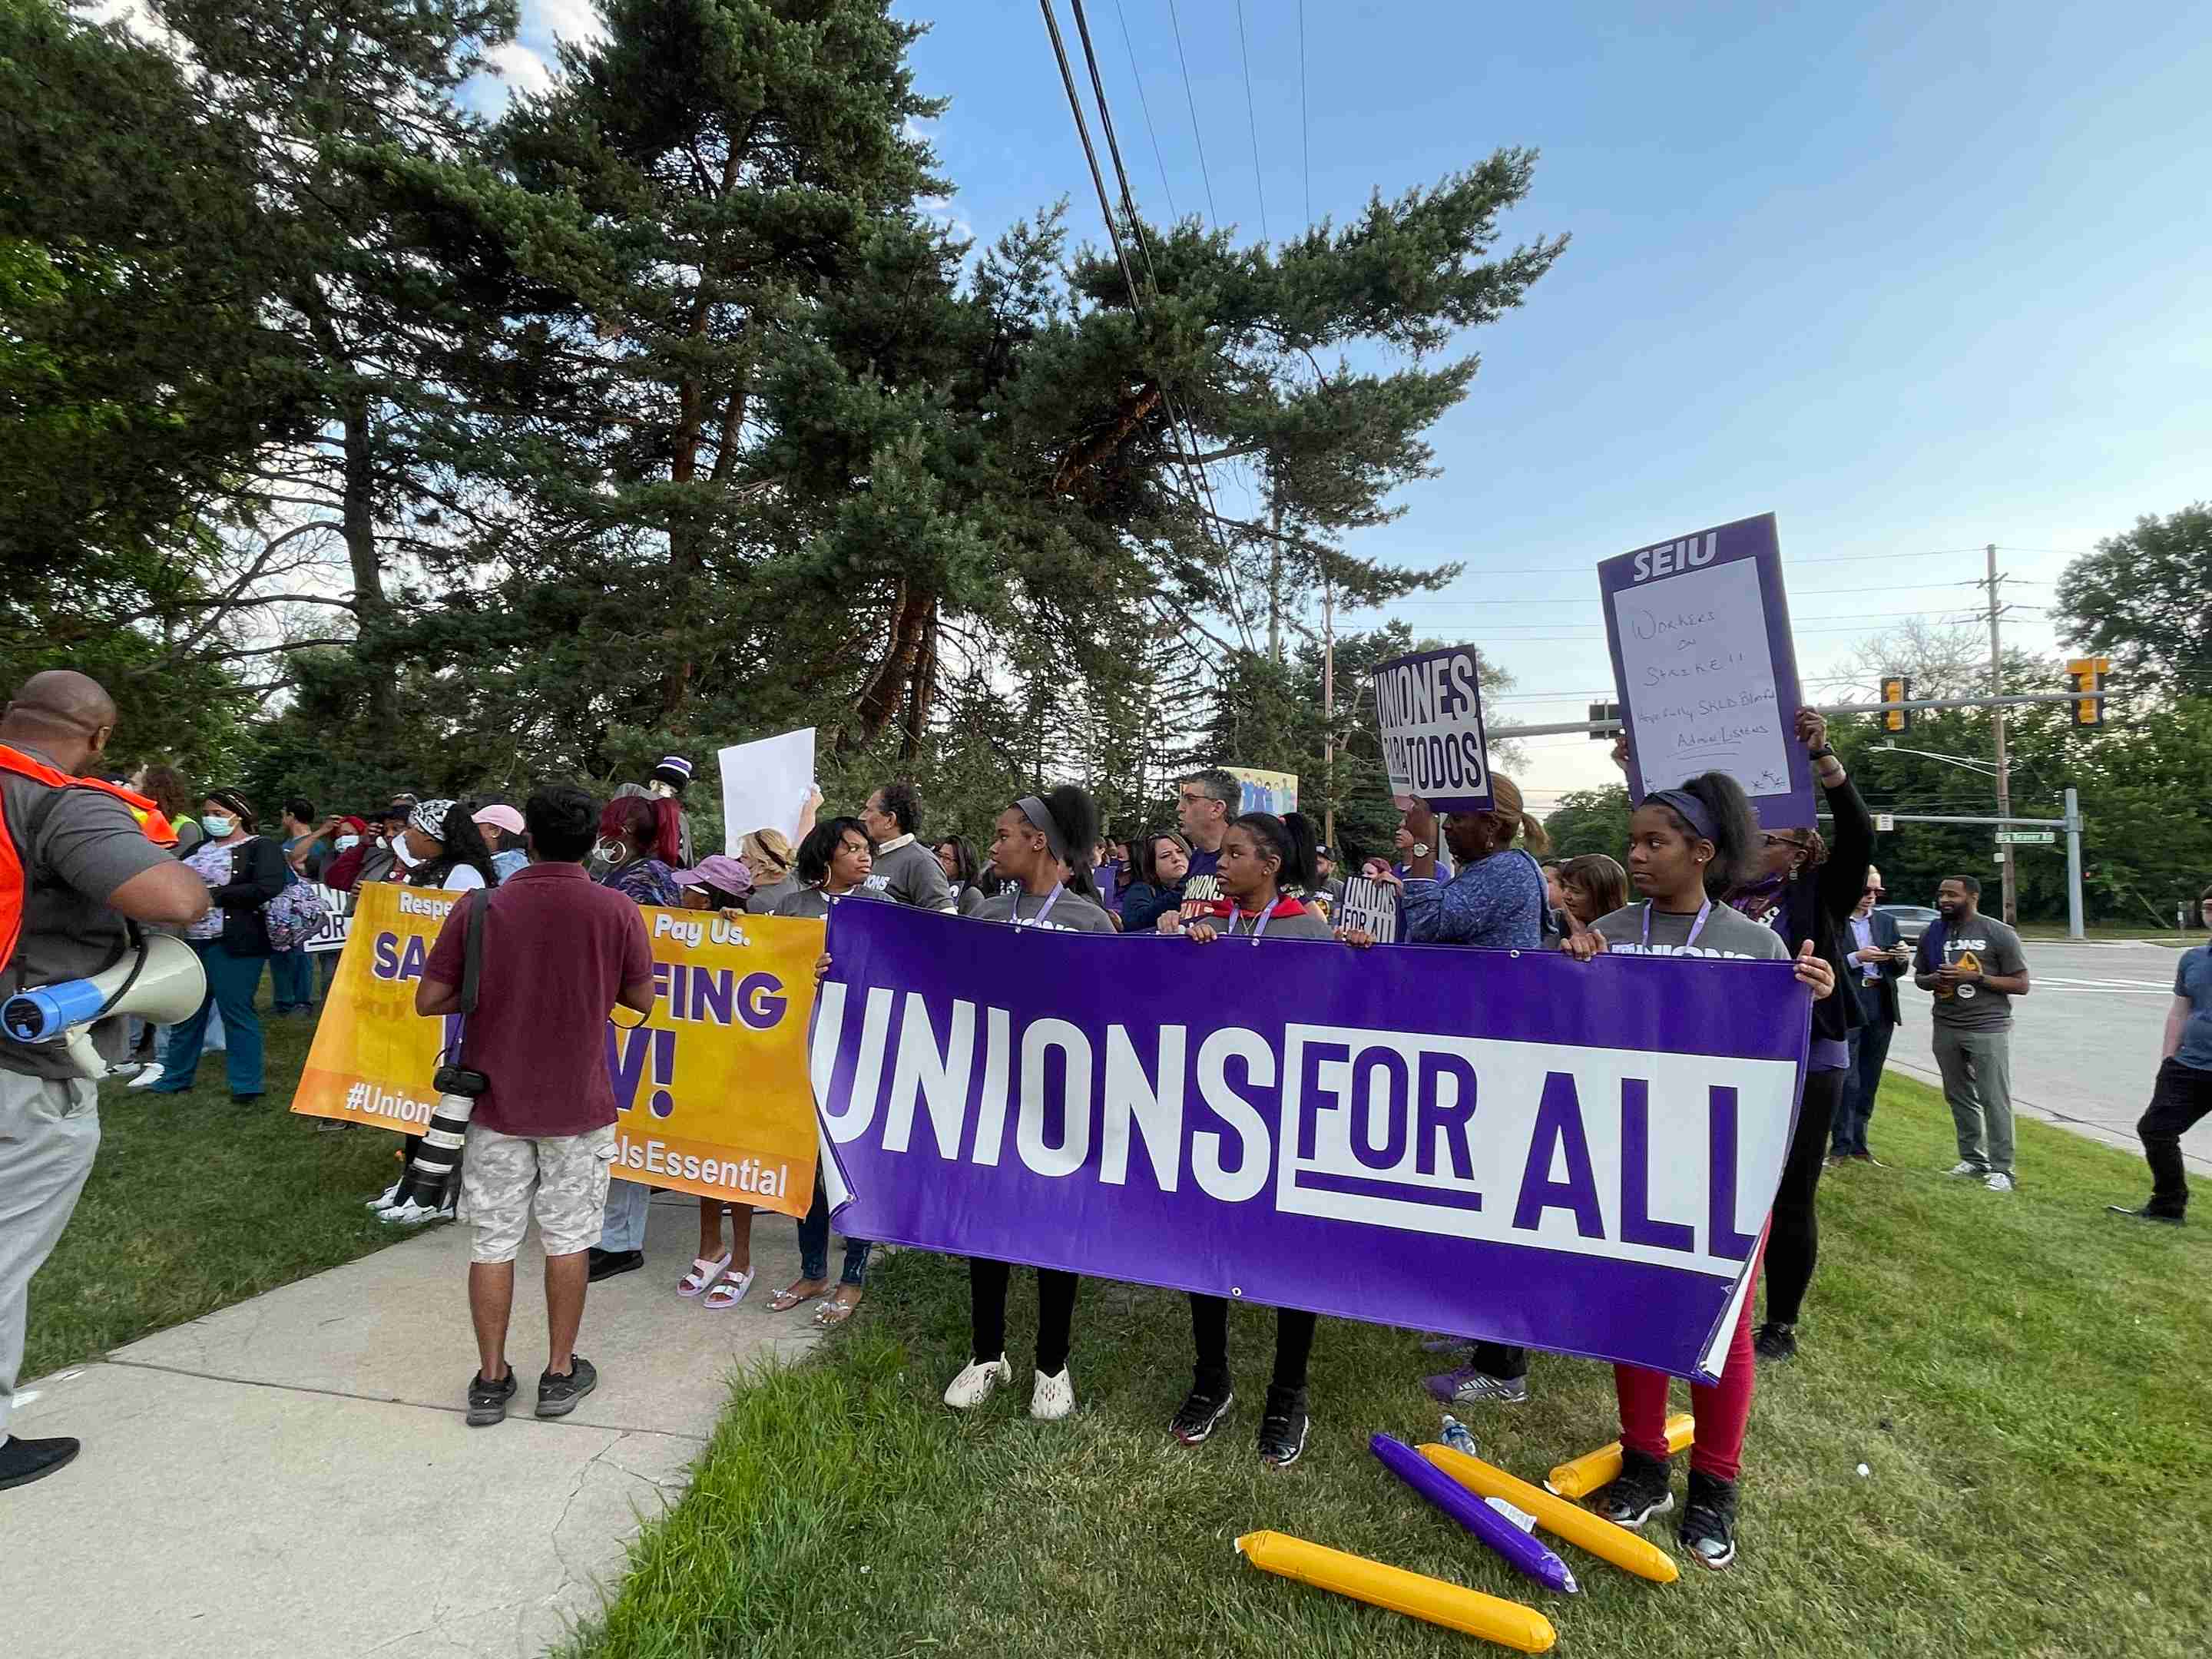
x=451, y=1079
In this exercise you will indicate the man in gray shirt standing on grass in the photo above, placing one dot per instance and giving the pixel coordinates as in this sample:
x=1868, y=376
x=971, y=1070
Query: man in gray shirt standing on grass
x=1975, y=966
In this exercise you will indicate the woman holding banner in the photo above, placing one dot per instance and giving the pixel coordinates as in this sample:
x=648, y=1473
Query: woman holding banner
x=1685, y=847
x=1261, y=857
x=1043, y=844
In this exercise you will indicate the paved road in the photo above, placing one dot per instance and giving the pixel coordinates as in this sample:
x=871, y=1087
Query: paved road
x=2085, y=1042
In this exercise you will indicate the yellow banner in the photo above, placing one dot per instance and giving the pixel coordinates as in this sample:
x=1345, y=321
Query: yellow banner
x=712, y=1090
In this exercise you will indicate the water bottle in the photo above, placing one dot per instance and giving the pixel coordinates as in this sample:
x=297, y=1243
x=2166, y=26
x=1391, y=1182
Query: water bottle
x=1457, y=1437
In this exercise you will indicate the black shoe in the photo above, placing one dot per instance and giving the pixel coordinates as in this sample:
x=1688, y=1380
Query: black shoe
x=1869, y=1159
x=23, y=1461
x=1199, y=1415
x=1775, y=1342
x=1708, y=1530
x=1282, y=1427
x=244, y=1100
x=2163, y=1218
x=557, y=1395
x=488, y=1401
x=1641, y=1490
x=605, y=1264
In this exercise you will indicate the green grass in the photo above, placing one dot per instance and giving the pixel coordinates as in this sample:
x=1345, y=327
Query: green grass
x=196, y=1203
x=2024, y=1376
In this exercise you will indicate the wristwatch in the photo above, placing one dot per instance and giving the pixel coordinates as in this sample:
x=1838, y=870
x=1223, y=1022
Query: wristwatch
x=1420, y=850
x=1825, y=751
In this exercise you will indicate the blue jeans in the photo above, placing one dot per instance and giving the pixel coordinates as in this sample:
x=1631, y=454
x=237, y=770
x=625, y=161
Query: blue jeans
x=622, y=1222
x=292, y=978
x=814, y=1243
x=232, y=983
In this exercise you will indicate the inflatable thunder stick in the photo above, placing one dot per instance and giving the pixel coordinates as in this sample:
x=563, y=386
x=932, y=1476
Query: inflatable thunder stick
x=1556, y=1515
x=1522, y=1552
x=1416, y=1595
x=1603, y=1466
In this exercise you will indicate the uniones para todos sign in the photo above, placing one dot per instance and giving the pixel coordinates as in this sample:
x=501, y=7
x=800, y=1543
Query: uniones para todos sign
x=1429, y=709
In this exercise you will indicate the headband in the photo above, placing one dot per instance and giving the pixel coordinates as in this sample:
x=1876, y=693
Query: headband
x=1034, y=810
x=1688, y=808
x=430, y=818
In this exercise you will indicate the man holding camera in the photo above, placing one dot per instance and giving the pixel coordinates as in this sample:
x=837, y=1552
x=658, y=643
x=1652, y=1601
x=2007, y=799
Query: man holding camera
x=85, y=864
x=558, y=953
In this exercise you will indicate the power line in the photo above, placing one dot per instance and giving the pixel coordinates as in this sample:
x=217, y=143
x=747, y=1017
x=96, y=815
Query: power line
x=1213, y=216
x=1158, y=160
x=1806, y=593
x=1252, y=122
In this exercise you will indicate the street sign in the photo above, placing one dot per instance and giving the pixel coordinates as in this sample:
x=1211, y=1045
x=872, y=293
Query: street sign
x=2027, y=837
x=1884, y=822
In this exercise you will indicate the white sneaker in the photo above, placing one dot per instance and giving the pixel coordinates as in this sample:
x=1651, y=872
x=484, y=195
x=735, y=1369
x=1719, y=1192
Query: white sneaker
x=146, y=1078
x=1053, y=1398
x=1998, y=1181
x=1963, y=1167
x=411, y=1214
x=975, y=1385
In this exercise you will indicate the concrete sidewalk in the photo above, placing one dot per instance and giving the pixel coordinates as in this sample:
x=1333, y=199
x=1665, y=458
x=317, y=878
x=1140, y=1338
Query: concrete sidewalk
x=291, y=1476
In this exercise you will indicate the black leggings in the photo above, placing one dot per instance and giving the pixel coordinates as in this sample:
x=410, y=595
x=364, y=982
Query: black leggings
x=1794, y=1245
x=987, y=1312
x=1209, y=1329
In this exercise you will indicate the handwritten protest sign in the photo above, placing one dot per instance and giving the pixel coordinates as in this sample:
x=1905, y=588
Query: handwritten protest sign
x=1429, y=707
x=710, y=1090
x=1702, y=655
x=1511, y=1145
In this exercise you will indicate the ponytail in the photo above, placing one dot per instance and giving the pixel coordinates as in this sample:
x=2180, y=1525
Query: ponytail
x=1074, y=815
x=1527, y=829
x=1291, y=840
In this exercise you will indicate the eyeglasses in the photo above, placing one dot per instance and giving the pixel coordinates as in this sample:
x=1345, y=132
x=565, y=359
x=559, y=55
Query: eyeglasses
x=1194, y=796
x=1773, y=840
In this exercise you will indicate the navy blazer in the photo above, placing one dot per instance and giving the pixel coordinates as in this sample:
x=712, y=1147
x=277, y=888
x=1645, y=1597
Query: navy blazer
x=1878, y=1000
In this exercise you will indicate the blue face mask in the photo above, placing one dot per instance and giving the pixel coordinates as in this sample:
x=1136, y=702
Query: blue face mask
x=217, y=826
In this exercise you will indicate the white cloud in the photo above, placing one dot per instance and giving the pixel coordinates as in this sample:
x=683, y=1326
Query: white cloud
x=564, y=20
x=521, y=69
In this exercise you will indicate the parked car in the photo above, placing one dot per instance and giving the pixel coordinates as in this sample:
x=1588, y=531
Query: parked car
x=1912, y=920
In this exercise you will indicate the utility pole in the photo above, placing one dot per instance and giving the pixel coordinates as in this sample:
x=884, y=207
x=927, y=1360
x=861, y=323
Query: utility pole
x=1998, y=723
x=1328, y=709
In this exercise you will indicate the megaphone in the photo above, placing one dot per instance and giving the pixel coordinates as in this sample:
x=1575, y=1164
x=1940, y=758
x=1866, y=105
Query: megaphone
x=160, y=981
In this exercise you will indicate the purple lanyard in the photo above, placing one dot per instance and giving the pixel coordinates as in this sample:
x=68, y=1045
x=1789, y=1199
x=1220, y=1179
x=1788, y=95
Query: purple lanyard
x=1259, y=932
x=1696, y=928
x=1044, y=909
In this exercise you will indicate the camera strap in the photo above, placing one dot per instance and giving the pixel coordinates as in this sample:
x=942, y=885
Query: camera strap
x=472, y=950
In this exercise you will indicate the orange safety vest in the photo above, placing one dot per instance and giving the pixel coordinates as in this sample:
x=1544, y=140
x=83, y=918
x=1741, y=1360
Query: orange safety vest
x=12, y=887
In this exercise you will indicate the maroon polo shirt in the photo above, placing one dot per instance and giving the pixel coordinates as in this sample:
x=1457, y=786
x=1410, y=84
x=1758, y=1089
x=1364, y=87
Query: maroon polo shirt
x=558, y=949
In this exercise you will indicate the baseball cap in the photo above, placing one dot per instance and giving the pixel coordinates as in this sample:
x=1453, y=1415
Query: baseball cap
x=500, y=817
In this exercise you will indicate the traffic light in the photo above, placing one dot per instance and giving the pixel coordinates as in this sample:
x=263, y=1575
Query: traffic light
x=1896, y=688
x=2088, y=674
x=1603, y=711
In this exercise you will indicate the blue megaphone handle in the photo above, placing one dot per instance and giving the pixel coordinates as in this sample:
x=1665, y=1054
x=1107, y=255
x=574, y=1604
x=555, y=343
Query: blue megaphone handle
x=42, y=1015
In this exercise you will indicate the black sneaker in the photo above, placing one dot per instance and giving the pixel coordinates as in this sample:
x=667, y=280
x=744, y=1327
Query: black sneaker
x=557, y=1395
x=1200, y=1415
x=1775, y=1342
x=488, y=1401
x=1708, y=1530
x=1282, y=1427
x=1641, y=1490
x=605, y=1264
x=23, y=1461
x=2163, y=1218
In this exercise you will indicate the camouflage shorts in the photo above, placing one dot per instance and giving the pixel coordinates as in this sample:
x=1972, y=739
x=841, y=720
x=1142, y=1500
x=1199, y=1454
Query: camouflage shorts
x=563, y=1177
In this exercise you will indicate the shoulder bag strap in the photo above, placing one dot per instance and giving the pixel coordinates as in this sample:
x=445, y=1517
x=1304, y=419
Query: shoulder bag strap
x=472, y=951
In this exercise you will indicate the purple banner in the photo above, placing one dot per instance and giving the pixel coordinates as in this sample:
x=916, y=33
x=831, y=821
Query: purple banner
x=1505, y=1144
x=1706, y=666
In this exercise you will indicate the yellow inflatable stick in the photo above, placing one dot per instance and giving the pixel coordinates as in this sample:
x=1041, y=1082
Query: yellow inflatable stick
x=1452, y=1606
x=1556, y=1515
x=1603, y=1466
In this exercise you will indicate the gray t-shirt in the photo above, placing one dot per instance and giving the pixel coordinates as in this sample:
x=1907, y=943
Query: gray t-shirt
x=763, y=901
x=907, y=872
x=2192, y=979
x=1070, y=912
x=78, y=846
x=1306, y=924
x=814, y=902
x=1726, y=934
x=1989, y=945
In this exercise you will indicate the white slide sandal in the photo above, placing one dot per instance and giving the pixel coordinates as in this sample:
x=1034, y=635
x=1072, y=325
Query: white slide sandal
x=703, y=1273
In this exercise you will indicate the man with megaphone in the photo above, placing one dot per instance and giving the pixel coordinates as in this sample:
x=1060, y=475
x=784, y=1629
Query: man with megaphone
x=76, y=858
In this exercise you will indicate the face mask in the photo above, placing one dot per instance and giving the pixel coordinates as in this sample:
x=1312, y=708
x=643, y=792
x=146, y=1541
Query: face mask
x=401, y=851
x=607, y=851
x=345, y=842
x=217, y=826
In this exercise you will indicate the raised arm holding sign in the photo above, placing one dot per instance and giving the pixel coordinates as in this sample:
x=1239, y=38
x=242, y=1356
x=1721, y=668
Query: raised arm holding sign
x=1429, y=709
x=1702, y=655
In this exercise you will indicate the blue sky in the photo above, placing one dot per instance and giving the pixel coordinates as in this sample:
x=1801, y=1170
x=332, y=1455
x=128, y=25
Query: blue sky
x=1915, y=279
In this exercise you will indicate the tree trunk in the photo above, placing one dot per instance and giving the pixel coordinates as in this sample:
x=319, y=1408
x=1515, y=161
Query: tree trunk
x=358, y=515
x=913, y=614
x=922, y=687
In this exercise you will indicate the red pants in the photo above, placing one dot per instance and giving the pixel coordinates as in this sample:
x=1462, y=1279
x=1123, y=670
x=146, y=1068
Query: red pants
x=1723, y=1409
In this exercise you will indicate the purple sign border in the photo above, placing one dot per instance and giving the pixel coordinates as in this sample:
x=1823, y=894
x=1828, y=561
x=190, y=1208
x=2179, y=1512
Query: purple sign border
x=1487, y=799
x=1757, y=539
x=1596, y=1308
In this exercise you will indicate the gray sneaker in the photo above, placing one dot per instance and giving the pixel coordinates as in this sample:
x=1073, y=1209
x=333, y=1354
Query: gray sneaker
x=1963, y=1167
x=1998, y=1181
x=1469, y=1387
x=557, y=1395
